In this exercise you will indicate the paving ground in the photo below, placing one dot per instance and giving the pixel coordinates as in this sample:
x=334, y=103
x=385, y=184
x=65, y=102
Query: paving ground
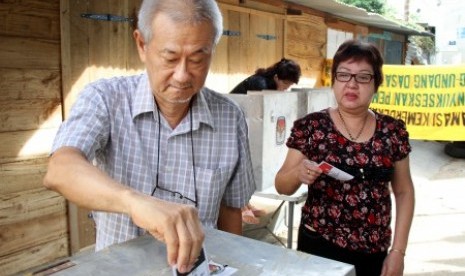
x=437, y=238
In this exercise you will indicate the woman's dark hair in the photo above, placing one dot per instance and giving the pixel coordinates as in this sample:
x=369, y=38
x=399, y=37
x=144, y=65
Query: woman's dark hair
x=359, y=51
x=285, y=69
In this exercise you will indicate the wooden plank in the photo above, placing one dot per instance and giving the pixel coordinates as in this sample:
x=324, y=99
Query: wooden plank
x=217, y=78
x=305, y=50
x=33, y=256
x=18, y=52
x=253, y=11
x=74, y=50
x=39, y=230
x=23, y=175
x=22, y=84
x=22, y=145
x=19, y=19
x=22, y=206
x=238, y=48
x=134, y=64
x=266, y=40
x=37, y=4
x=306, y=33
x=82, y=228
x=339, y=24
x=18, y=115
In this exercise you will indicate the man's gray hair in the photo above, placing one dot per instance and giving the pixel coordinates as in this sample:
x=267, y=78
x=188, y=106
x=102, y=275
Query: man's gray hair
x=183, y=11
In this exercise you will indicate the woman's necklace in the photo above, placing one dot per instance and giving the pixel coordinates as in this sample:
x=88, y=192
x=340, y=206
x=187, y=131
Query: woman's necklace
x=347, y=129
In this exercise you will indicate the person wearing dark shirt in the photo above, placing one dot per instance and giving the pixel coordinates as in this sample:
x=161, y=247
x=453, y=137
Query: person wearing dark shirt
x=279, y=76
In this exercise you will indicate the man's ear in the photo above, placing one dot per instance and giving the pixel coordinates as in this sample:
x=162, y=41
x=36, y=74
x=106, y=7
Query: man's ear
x=140, y=43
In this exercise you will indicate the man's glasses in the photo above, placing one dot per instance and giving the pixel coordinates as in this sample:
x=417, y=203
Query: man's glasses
x=360, y=77
x=173, y=193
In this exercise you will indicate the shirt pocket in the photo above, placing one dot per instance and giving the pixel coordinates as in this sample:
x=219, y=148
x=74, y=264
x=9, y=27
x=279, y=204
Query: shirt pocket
x=211, y=185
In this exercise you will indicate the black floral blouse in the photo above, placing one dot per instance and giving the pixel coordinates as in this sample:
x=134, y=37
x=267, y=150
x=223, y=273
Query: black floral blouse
x=354, y=214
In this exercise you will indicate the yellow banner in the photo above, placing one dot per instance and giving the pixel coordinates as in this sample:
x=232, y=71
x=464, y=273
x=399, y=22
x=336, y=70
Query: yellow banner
x=430, y=99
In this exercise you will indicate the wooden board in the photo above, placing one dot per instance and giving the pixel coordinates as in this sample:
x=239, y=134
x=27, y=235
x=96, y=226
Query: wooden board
x=17, y=115
x=33, y=19
x=22, y=52
x=23, y=145
x=30, y=204
x=39, y=230
x=34, y=256
x=21, y=176
x=22, y=84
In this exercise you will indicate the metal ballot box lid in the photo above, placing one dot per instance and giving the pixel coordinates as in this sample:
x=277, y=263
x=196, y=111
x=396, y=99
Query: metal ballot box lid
x=147, y=256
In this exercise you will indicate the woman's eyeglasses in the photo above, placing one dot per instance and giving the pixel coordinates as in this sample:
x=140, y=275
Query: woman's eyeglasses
x=360, y=77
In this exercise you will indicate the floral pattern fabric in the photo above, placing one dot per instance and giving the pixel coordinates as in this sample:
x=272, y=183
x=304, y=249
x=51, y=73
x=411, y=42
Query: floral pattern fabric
x=354, y=214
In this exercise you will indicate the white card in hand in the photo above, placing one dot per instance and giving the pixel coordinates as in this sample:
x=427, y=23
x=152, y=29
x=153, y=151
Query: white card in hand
x=334, y=172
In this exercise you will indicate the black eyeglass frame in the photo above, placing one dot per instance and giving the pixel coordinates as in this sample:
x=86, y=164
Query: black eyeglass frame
x=174, y=193
x=356, y=77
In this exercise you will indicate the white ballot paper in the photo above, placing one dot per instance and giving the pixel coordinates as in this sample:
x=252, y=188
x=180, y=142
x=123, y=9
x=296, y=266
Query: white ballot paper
x=205, y=267
x=200, y=267
x=334, y=172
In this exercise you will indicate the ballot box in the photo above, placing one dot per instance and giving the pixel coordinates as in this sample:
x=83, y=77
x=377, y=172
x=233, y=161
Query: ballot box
x=270, y=117
x=243, y=256
x=317, y=98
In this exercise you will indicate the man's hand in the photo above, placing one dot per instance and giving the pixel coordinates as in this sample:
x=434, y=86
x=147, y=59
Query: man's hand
x=177, y=225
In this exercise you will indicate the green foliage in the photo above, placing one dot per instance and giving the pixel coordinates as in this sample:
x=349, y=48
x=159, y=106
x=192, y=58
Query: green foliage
x=376, y=6
x=425, y=43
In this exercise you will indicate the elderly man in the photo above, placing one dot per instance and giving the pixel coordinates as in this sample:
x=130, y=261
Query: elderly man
x=159, y=152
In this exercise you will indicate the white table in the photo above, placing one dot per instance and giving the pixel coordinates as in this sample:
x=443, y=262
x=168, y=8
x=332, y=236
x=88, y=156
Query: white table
x=299, y=196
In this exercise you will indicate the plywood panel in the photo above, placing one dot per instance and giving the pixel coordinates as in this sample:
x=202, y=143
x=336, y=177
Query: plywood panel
x=40, y=230
x=238, y=48
x=20, y=115
x=306, y=44
x=134, y=64
x=266, y=38
x=33, y=256
x=19, y=52
x=22, y=145
x=217, y=78
x=22, y=84
x=29, y=19
x=74, y=50
x=306, y=33
x=23, y=175
x=31, y=204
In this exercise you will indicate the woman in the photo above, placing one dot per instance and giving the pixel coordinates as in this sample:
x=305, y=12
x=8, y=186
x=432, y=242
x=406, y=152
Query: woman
x=279, y=76
x=349, y=220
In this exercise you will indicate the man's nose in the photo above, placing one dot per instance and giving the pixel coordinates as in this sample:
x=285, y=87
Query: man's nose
x=181, y=72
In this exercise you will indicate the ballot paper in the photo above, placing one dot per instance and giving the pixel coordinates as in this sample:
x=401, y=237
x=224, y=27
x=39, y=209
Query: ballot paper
x=206, y=267
x=334, y=172
x=200, y=268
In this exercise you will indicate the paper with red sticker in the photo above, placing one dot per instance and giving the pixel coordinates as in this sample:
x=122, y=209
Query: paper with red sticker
x=334, y=172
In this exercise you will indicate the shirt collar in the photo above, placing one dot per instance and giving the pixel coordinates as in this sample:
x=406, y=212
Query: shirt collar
x=144, y=102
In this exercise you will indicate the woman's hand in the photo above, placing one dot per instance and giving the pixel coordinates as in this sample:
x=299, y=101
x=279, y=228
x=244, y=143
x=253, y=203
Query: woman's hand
x=393, y=264
x=308, y=171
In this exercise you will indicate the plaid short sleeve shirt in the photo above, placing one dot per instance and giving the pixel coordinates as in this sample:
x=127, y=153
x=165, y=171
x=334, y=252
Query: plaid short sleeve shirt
x=114, y=123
